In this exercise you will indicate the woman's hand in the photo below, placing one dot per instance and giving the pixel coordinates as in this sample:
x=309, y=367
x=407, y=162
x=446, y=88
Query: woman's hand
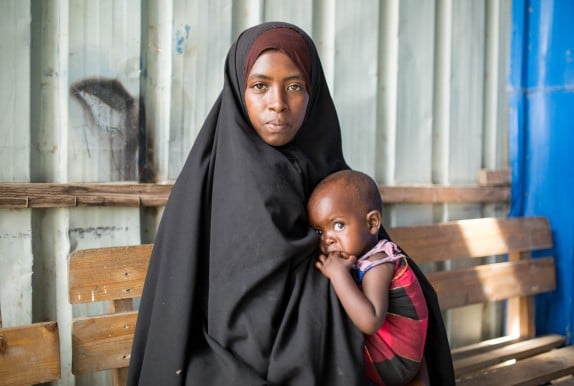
x=335, y=263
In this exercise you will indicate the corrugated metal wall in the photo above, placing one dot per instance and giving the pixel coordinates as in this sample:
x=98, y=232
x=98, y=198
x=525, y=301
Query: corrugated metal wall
x=116, y=90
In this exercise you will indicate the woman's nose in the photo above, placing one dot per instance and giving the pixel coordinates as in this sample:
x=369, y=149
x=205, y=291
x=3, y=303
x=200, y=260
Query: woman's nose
x=278, y=101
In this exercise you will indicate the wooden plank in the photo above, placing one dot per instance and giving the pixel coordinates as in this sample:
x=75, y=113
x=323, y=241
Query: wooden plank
x=519, y=350
x=110, y=273
x=532, y=371
x=493, y=282
x=29, y=354
x=566, y=381
x=119, y=376
x=102, y=342
x=434, y=194
x=520, y=310
x=13, y=202
x=120, y=305
x=49, y=195
x=491, y=177
x=473, y=238
x=469, y=350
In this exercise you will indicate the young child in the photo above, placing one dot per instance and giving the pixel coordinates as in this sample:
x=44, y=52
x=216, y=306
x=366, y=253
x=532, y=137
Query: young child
x=371, y=277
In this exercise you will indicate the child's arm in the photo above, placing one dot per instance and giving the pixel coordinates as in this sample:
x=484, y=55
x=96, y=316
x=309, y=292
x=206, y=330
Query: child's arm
x=366, y=308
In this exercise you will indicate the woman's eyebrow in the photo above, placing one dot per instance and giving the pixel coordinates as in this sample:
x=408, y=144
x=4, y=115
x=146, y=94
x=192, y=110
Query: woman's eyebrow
x=267, y=77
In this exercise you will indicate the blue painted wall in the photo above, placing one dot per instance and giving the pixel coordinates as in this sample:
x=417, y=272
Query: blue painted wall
x=542, y=139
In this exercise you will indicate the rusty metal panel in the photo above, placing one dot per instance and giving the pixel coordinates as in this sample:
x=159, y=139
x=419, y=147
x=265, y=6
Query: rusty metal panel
x=202, y=33
x=16, y=263
x=15, y=22
x=103, y=91
x=355, y=79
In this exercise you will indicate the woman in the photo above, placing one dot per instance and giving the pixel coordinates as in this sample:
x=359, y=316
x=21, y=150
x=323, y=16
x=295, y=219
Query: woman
x=231, y=295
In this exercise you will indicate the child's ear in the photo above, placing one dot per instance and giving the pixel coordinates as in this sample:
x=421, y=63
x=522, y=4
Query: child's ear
x=374, y=221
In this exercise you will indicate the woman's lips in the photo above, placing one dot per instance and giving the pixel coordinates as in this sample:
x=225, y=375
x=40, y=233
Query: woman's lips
x=278, y=126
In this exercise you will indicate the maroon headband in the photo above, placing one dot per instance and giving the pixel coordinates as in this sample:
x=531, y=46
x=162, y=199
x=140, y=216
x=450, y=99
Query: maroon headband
x=287, y=41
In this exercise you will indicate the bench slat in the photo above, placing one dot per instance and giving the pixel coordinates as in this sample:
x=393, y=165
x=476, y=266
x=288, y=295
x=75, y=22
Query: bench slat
x=29, y=354
x=111, y=273
x=531, y=371
x=102, y=342
x=493, y=282
x=483, y=346
x=517, y=351
x=437, y=194
x=564, y=382
x=473, y=238
x=493, y=177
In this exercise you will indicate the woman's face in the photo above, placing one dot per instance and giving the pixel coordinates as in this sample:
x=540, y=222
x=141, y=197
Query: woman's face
x=276, y=98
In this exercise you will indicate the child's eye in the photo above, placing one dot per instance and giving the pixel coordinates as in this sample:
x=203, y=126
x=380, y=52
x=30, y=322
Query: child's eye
x=318, y=231
x=338, y=226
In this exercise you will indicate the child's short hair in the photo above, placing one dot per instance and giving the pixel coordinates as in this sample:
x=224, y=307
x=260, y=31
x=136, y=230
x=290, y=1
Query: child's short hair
x=364, y=187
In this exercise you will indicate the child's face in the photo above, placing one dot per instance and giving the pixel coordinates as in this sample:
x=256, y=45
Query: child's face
x=341, y=222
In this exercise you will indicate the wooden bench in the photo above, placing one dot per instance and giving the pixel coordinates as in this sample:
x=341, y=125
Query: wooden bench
x=536, y=360
x=116, y=275
x=29, y=354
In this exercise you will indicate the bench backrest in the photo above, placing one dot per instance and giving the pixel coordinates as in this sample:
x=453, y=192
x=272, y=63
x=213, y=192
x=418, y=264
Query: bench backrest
x=29, y=354
x=516, y=279
x=116, y=275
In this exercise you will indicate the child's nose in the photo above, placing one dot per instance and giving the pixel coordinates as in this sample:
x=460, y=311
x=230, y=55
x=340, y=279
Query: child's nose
x=326, y=239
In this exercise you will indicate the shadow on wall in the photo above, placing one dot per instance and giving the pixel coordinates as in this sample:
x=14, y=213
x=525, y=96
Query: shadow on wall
x=117, y=120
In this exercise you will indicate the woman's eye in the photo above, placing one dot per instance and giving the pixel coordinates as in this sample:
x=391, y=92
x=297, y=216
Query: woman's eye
x=295, y=87
x=338, y=226
x=258, y=86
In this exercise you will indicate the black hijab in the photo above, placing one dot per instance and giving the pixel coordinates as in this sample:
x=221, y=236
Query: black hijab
x=231, y=295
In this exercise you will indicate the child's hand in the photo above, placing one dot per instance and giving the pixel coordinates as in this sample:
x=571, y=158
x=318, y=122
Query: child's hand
x=334, y=263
